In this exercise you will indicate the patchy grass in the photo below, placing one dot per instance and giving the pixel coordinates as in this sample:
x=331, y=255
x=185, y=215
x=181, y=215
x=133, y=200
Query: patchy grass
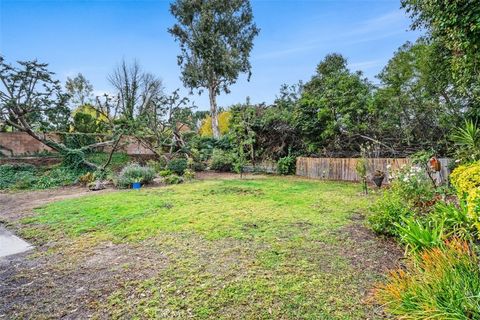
x=266, y=248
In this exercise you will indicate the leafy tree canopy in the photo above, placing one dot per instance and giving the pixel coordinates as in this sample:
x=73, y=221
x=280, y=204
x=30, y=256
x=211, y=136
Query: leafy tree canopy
x=216, y=37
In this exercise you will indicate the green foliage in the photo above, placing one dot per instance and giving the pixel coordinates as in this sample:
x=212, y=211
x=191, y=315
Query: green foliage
x=177, y=166
x=413, y=186
x=242, y=135
x=31, y=98
x=210, y=34
x=25, y=176
x=158, y=165
x=173, y=179
x=119, y=159
x=73, y=158
x=455, y=219
x=221, y=161
x=407, y=109
x=286, y=165
x=443, y=283
x=418, y=235
x=165, y=173
x=80, y=91
x=362, y=168
x=189, y=174
x=16, y=176
x=87, y=178
x=455, y=25
x=58, y=177
x=77, y=140
x=467, y=142
x=135, y=173
x=410, y=194
x=333, y=102
x=387, y=213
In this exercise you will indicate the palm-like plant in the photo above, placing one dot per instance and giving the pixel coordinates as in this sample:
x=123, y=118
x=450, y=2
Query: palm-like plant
x=467, y=141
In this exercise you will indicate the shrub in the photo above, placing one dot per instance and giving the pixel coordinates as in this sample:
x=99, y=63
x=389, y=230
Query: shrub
x=286, y=165
x=165, y=173
x=26, y=176
x=198, y=166
x=177, y=166
x=465, y=178
x=418, y=235
x=24, y=180
x=455, y=219
x=221, y=161
x=157, y=165
x=195, y=165
x=135, y=173
x=73, y=159
x=173, y=179
x=60, y=176
x=11, y=174
x=87, y=178
x=119, y=159
x=388, y=211
x=412, y=185
x=444, y=283
x=189, y=174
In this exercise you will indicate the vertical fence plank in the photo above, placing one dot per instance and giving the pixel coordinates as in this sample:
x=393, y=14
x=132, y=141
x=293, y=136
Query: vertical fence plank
x=344, y=169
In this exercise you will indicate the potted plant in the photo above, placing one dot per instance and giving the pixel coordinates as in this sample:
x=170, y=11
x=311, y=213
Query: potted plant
x=136, y=185
x=378, y=178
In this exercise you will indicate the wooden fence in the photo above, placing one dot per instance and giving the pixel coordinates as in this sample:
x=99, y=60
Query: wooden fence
x=343, y=169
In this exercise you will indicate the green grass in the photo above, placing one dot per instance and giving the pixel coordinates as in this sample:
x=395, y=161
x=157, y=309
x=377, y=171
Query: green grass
x=268, y=248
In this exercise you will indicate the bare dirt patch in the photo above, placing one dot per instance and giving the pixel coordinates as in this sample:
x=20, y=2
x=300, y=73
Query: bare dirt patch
x=368, y=251
x=19, y=204
x=69, y=283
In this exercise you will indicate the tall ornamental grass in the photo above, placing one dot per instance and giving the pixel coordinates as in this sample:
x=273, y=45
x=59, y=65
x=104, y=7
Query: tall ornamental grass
x=441, y=283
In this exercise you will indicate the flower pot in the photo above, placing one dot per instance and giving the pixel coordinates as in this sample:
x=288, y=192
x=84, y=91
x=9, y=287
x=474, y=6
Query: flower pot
x=378, y=180
x=136, y=185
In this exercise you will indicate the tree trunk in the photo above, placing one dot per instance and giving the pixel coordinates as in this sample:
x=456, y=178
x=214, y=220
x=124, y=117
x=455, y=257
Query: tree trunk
x=213, y=110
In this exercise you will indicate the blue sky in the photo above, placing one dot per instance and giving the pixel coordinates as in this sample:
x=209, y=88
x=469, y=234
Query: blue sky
x=92, y=37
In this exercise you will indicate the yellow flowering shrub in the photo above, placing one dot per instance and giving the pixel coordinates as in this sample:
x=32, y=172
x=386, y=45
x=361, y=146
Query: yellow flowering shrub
x=465, y=178
x=473, y=206
x=223, y=124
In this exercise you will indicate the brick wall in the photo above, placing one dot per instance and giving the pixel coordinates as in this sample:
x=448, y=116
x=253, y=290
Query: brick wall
x=21, y=144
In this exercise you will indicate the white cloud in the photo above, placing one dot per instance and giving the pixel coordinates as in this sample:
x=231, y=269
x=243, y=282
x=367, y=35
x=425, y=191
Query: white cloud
x=380, y=27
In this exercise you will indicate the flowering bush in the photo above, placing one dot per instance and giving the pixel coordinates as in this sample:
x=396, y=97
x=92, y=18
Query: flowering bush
x=411, y=194
x=465, y=178
x=412, y=184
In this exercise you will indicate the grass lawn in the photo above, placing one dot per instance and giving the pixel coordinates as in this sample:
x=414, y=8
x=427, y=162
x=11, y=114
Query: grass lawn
x=264, y=248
